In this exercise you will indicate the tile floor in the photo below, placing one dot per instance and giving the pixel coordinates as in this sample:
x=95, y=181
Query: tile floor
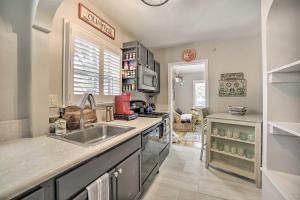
x=183, y=142
x=184, y=177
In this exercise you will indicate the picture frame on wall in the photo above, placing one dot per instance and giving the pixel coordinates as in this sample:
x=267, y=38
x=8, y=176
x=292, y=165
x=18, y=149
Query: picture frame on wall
x=232, y=85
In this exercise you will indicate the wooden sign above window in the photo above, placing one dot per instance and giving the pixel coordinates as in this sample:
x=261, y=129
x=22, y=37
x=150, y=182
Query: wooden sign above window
x=95, y=21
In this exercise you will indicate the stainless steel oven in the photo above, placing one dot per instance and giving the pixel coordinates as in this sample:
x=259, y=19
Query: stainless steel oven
x=147, y=79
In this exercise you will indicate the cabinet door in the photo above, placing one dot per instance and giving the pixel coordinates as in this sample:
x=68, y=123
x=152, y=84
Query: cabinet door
x=150, y=60
x=142, y=55
x=36, y=195
x=128, y=185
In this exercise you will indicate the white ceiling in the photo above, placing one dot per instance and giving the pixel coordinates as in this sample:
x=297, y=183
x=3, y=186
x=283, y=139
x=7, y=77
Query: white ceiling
x=184, y=21
x=185, y=69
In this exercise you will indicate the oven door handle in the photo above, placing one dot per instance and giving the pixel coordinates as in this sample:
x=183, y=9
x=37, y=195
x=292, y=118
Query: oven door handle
x=145, y=140
x=148, y=131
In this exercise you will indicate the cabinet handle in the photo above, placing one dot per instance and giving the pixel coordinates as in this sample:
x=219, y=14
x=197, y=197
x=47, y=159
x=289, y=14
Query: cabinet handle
x=116, y=174
x=120, y=170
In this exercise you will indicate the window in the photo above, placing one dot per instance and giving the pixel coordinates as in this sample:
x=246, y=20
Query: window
x=112, y=73
x=199, y=93
x=90, y=65
x=85, y=67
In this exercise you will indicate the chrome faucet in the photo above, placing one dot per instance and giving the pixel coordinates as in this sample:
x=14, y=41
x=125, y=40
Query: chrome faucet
x=85, y=97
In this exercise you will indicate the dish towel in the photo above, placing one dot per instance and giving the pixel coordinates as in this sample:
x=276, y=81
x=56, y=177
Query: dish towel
x=99, y=189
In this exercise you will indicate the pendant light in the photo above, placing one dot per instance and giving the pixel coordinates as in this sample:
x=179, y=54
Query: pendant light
x=154, y=2
x=179, y=79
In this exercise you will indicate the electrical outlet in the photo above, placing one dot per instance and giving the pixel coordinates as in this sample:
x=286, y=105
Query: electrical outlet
x=53, y=101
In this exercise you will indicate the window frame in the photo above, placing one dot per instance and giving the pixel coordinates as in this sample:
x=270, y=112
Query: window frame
x=194, y=95
x=70, y=31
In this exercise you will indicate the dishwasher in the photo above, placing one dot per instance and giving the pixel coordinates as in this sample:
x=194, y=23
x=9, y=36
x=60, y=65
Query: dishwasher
x=150, y=155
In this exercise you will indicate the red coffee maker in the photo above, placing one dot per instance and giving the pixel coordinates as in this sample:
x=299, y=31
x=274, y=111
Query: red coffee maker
x=122, y=104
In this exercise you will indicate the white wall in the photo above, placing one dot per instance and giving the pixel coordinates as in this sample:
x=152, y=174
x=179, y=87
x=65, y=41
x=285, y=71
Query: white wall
x=184, y=93
x=14, y=67
x=224, y=56
x=69, y=10
x=25, y=78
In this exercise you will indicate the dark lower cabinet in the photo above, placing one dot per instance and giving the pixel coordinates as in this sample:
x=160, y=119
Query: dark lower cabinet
x=126, y=179
x=123, y=163
x=71, y=183
x=45, y=191
x=36, y=195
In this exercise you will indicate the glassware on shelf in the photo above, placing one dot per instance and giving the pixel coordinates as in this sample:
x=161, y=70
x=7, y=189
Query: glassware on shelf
x=221, y=147
x=236, y=134
x=243, y=136
x=227, y=148
x=241, y=151
x=233, y=150
x=251, y=137
x=214, y=145
x=221, y=132
x=215, y=131
x=229, y=133
x=249, y=154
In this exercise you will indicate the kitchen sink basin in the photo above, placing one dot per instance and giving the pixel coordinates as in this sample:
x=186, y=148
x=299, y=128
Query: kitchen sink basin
x=94, y=135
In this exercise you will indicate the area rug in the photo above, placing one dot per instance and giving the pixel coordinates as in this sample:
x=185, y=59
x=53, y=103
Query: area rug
x=192, y=137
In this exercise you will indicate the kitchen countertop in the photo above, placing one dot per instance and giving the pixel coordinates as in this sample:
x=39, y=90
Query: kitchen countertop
x=246, y=117
x=28, y=162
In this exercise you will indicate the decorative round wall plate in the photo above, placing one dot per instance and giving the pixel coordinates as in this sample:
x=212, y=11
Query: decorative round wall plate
x=189, y=54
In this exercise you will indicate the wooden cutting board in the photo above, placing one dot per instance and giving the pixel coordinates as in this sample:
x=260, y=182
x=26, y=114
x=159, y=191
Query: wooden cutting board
x=72, y=115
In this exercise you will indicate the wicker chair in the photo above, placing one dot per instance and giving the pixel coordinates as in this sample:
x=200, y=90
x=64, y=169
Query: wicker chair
x=183, y=127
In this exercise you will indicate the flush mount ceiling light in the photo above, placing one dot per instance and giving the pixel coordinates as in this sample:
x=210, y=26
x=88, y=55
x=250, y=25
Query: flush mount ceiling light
x=154, y=2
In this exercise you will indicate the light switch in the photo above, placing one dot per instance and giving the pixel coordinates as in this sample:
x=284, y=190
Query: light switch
x=53, y=101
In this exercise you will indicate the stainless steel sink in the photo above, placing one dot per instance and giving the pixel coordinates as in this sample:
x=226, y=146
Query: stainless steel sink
x=94, y=135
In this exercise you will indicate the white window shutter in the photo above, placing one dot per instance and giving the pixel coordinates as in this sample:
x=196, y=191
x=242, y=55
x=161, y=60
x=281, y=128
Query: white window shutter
x=85, y=67
x=112, y=73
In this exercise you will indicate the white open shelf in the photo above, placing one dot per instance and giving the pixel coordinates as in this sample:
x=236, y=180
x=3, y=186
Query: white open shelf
x=236, y=170
x=285, y=128
x=292, y=67
x=289, y=73
x=232, y=139
x=288, y=185
x=232, y=155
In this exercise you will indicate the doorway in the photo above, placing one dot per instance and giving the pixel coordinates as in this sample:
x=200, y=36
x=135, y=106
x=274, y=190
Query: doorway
x=187, y=96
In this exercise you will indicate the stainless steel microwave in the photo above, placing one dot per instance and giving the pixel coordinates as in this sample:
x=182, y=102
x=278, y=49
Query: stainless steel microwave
x=147, y=79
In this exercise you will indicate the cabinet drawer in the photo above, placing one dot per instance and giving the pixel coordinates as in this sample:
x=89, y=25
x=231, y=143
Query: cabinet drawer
x=36, y=195
x=76, y=180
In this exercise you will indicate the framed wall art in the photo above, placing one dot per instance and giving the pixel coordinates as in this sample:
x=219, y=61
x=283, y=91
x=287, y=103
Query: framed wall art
x=232, y=85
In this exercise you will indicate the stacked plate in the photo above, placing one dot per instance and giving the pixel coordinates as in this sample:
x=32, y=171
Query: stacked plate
x=237, y=110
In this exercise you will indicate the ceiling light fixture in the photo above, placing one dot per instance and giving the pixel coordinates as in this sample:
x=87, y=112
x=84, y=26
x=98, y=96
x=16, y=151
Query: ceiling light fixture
x=154, y=2
x=179, y=79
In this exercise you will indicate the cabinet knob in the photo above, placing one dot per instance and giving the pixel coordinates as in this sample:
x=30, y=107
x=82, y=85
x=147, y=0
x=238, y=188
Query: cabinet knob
x=116, y=174
x=120, y=170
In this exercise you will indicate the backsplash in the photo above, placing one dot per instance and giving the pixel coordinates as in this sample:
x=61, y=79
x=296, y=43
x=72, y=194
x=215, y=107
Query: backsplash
x=139, y=96
x=14, y=129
